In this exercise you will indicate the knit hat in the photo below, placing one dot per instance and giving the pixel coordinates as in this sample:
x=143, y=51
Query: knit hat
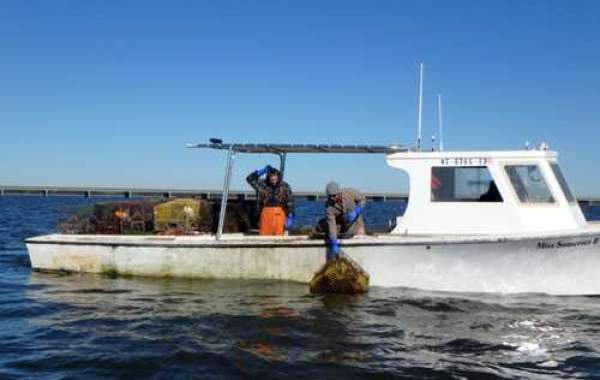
x=332, y=188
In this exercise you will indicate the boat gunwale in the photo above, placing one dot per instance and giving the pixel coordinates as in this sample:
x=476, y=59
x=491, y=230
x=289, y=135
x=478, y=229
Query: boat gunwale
x=358, y=241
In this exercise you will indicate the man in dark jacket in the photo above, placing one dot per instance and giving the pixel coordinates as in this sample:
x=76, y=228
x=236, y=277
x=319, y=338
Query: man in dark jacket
x=343, y=215
x=275, y=201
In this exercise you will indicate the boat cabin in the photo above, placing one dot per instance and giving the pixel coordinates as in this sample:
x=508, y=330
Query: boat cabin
x=485, y=192
x=456, y=193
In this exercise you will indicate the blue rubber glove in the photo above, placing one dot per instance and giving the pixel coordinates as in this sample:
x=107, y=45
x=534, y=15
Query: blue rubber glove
x=354, y=214
x=289, y=221
x=260, y=172
x=334, y=249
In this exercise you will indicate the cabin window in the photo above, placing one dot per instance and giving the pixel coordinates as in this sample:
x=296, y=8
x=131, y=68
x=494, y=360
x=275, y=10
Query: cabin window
x=562, y=182
x=463, y=184
x=529, y=184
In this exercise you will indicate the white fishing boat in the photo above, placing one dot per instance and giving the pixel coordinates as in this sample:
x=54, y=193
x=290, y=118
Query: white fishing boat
x=478, y=221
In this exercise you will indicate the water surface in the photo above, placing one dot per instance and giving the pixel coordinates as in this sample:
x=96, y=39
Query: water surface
x=74, y=326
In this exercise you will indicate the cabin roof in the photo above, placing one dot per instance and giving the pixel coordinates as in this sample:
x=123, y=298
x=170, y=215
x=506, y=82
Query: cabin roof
x=498, y=154
x=303, y=148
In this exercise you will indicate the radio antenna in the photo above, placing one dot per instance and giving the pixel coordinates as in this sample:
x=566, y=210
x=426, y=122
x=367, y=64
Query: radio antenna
x=440, y=122
x=420, y=106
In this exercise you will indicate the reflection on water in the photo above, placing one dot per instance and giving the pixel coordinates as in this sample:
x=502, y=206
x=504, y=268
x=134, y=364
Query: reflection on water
x=75, y=326
x=88, y=324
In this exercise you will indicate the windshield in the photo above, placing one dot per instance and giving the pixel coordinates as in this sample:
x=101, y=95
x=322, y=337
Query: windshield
x=562, y=182
x=529, y=183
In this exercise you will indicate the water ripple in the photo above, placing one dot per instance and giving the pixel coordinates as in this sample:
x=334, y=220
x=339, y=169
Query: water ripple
x=87, y=326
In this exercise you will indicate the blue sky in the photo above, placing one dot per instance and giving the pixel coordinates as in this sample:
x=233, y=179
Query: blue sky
x=102, y=93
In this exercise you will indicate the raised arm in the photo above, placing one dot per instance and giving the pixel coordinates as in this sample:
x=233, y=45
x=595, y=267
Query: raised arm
x=253, y=179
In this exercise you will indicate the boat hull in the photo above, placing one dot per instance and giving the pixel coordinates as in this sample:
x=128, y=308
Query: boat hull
x=555, y=264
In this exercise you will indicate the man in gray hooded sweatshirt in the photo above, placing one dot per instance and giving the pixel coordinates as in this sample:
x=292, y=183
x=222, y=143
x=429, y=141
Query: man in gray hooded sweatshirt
x=343, y=215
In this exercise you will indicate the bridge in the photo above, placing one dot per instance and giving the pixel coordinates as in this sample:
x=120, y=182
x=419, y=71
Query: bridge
x=48, y=191
x=87, y=192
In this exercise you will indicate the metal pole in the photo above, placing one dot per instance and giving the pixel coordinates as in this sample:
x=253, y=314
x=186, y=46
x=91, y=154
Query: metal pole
x=228, y=170
x=282, y=157
x=440, y=126
x=420, y=107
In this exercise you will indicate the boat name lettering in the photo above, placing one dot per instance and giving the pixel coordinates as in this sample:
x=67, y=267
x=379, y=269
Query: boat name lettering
x=465, y=161
x=565, y=244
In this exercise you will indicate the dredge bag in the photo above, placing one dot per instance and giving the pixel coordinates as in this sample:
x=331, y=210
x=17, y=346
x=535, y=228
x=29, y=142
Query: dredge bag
x=341, y=275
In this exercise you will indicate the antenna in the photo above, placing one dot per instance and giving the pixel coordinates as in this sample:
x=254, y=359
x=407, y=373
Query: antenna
x=440, y=122
x=420, y=106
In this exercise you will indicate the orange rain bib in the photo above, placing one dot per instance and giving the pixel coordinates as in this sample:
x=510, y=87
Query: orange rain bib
x=272, y=221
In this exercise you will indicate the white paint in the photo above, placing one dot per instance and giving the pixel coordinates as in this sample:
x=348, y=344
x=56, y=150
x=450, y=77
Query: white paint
x=505, y=264
x=423, y=216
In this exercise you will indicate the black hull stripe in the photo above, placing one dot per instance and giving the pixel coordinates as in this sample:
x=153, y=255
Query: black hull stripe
x=313, y=245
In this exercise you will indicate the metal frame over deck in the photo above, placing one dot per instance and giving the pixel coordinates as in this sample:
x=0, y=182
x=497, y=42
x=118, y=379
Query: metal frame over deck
x=281, y=150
